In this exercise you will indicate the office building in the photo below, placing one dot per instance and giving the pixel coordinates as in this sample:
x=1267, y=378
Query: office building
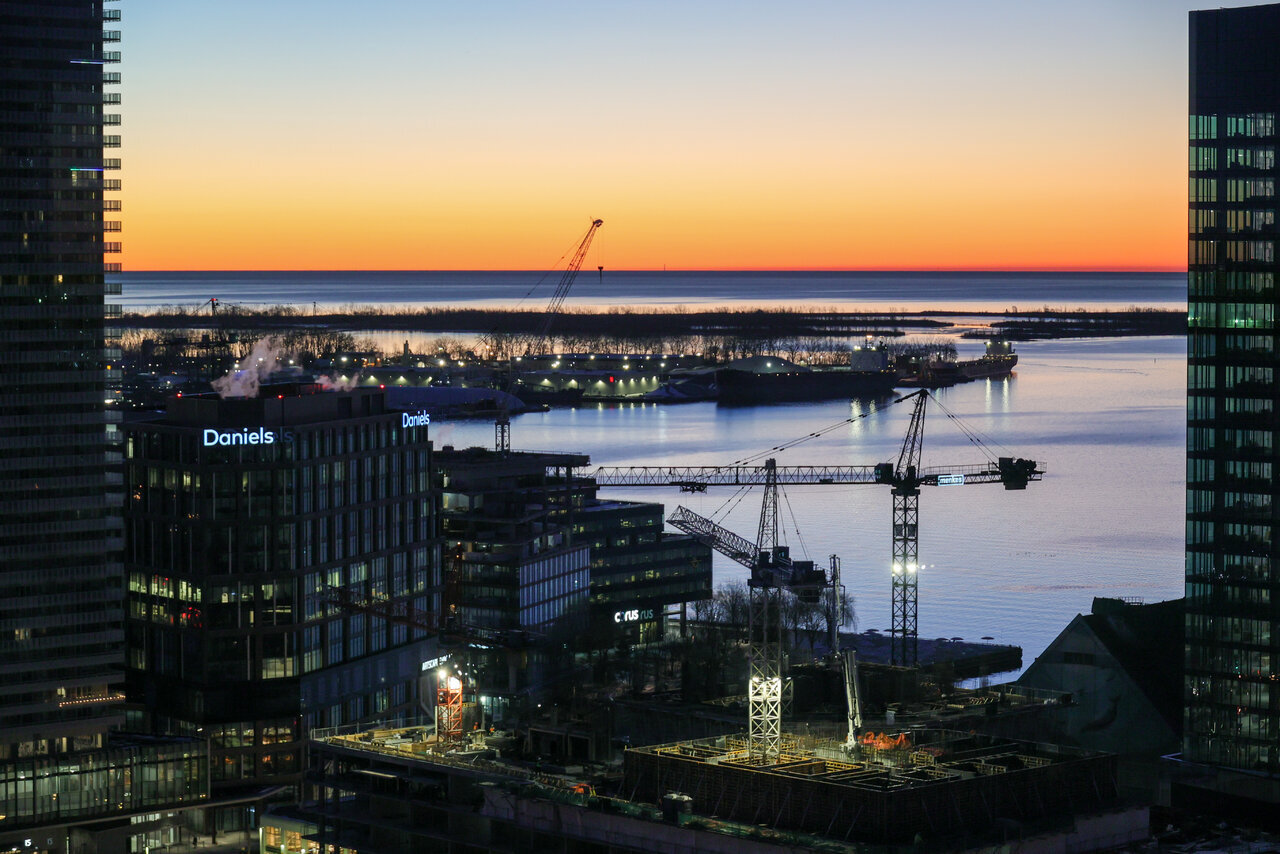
x=638, y=570
x=539, y=568
x=281, y=552
x=1232, y=711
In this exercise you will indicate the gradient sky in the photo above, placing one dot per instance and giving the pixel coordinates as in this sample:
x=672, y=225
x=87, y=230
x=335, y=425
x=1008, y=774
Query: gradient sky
x=851, y=134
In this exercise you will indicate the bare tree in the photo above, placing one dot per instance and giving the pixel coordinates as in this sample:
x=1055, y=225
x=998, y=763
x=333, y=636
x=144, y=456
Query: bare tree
x=735, y=606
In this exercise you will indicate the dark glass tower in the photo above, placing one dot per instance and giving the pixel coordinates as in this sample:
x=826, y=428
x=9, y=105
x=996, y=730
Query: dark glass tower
x=1232, y=577
x=61, y=627
x=282, y=559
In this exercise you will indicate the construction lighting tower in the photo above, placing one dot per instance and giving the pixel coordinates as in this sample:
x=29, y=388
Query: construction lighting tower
x=449, y=707
x=905, y=477
x=772, y=570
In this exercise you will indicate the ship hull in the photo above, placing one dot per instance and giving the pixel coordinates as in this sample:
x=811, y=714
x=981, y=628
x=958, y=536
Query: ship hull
x=988, y=367
x=746, y=387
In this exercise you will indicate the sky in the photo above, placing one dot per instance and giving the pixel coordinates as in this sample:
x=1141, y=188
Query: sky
x=850, y=134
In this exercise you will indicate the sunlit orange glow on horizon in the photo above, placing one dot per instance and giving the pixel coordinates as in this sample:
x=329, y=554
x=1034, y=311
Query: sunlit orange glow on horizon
x=868, y=136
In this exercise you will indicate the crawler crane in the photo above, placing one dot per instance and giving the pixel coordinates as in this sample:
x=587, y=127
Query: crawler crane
x=539, y=342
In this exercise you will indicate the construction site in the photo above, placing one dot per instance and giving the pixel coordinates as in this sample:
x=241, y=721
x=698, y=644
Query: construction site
x=886, y=788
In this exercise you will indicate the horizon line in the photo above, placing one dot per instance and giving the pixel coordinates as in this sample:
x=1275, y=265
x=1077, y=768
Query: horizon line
x=1079, y=269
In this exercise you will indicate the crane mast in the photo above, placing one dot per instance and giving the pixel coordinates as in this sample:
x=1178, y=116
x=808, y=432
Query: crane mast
x=764, y=630
x=772, y=569
x=904, y=644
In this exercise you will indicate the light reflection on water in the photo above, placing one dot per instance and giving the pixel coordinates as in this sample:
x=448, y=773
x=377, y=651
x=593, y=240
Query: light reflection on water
x=1105, y=415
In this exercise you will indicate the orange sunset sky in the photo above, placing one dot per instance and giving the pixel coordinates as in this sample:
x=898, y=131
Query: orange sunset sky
x=708, y=135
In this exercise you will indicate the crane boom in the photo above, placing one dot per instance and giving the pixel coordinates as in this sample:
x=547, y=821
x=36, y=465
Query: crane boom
x=1013, y=473
x=721, y=539
x=562, y=287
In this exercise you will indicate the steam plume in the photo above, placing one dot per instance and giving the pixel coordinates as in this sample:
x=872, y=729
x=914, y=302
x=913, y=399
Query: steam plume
x=257, y=366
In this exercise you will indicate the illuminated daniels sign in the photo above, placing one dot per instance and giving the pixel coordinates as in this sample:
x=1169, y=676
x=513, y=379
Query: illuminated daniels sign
x=419, y=419
x=261, y=436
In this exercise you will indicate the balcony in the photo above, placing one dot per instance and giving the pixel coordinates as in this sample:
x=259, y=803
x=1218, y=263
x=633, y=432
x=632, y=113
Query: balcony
x=110, y=14
x=110, y=35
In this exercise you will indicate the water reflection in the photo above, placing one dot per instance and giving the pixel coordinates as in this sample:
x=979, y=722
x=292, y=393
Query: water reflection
x=1106, y=416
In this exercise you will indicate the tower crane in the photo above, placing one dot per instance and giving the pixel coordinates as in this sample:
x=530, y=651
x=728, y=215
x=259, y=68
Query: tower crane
x=772, y=570
x=905, y=477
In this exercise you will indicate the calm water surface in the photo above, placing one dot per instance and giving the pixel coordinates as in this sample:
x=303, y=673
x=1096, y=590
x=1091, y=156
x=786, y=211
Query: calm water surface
x=874, y=291
x=1105, y=416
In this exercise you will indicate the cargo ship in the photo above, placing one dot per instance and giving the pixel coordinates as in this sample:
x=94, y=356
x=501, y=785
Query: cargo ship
x=998, y=361
x=769, y=379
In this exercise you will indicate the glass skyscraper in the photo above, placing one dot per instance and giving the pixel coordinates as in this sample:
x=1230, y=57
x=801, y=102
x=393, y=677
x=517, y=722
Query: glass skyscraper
x=61, y=625
x=1232, y=716
x=67, y=781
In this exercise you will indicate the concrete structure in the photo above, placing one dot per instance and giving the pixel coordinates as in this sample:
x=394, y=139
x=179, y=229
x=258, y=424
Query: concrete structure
x=1119, y=671
x=935, y=786
x=390, y=791
x=394, y=790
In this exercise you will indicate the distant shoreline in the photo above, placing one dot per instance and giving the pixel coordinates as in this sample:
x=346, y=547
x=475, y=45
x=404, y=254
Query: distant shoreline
x=638, y=324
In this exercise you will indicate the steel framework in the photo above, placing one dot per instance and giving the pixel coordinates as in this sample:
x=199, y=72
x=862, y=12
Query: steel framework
x=771, y=570
x=905, y=478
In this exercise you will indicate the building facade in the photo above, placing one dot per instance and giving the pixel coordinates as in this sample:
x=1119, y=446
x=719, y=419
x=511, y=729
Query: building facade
x=637, y=569
x=1232, y=701
x=69, y=779
x=516, y=579
x=61, y=640
x=536, y=557
x=276, y=550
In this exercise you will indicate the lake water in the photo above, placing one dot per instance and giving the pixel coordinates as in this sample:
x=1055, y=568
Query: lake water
x=1105, y=416
x=876, y=291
